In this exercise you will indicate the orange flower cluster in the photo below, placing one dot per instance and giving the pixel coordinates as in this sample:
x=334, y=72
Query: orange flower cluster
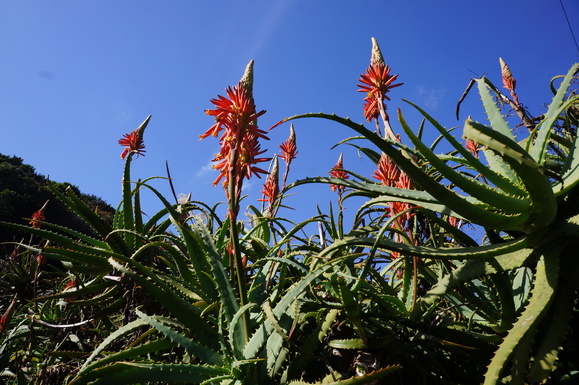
x=236, y=116
x=390, y=175
x=338, y=172
x=38, y=216
x=376, y=83
x=133, y=141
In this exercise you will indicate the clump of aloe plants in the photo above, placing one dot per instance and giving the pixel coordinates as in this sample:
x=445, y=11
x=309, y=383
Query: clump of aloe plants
x=404, y=295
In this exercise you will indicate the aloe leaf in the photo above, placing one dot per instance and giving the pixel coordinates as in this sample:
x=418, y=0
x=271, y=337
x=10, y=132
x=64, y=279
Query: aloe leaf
x=201, y=250
x=556, y=327
x=326, y=320
x=62, y=240
x=222, y=282
x=570, y=174
x=493, y=113
x=521, y=285
x=538, y=148
x=136, y=373
x=543, y=206
x=137, y=212
x=199, y=261
x=462, y=253
x=476, y=213
x=183, y=269
x=507, y=260
x=350, y=305
x=459, y=236
x=261, y=335
x=484, y=193
x=78, y=261
x=236, y=339
x=168, y=327
x=184, y=311
x=91, y=218
x=277, y=350
x=128, y=328
x=500, y=125
x=384, y=193
x=80, y=236
x=353, y=343
x=369, y=378
x=495, y=175
x=88, y=289
x=81, y=209
x=520, y=360
x=541, y=296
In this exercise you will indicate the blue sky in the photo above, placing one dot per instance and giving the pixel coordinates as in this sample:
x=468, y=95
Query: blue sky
x=76, y=75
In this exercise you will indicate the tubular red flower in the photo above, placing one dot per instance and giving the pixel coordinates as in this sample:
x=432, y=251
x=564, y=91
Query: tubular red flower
x=396, y=208
x=337, y=172
x=404, y=181
x=38, y=216
x=288, y=148
x=133, y=141
x=271, y=186
x=387, y=172
x=472, y=146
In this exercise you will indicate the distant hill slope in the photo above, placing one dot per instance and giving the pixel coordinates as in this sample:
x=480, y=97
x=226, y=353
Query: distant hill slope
x=23, y=191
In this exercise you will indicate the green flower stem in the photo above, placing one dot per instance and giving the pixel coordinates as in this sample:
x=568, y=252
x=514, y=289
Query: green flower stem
x=239, y=270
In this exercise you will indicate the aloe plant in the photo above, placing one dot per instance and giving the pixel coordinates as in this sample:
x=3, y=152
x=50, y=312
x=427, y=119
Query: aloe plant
x=524, y=196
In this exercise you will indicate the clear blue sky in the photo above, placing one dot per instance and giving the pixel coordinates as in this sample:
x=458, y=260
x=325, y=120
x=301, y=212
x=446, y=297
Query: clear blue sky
x=76, y=75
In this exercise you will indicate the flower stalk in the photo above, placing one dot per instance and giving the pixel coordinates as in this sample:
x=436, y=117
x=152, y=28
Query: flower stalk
x=338, y=172
x=236, y=122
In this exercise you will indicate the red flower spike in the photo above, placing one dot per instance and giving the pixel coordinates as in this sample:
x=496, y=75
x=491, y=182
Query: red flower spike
x=337, y=172
x=236, y=124
x=404, y=181
x=387, y=172
x=376, y=83
x=472, y=146
x=38, y=216
x=41, y=260
x=7, y=316
x=397, y=207
x=133, y=141
x=288, y=148
x=509, y=81
x=271, y=185
x=453, y=221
